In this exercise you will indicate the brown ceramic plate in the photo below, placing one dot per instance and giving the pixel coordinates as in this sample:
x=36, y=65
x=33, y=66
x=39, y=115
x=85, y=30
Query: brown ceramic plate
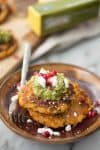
x=86, y=79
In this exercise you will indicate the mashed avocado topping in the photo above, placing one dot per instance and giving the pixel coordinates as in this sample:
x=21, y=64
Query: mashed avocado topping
x=5, y=37
x=49, y=85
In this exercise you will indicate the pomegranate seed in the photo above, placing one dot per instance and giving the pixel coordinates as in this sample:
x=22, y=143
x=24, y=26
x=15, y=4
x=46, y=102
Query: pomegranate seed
x=92, y=113
x=51, y=73
x=41, y=74
x=82, y=99
x=63, y=131
x=48, y=75
x=96, y=103
x=54, y=72
x=46, y=134
x=48, y=83
x=44, y=76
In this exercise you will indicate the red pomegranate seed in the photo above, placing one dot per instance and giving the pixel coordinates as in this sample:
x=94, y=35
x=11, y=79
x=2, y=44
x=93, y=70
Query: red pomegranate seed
x=44, y=76
x=63, y=131
x=46, y=134
x=92, y=113
x=96, y=103
x=41, y=74
x=83, y=99
x=54, y=72
x=49, y=75
x=48, y=83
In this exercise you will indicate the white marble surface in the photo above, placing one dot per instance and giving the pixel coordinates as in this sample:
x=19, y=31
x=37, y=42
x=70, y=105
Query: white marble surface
x=85, y=54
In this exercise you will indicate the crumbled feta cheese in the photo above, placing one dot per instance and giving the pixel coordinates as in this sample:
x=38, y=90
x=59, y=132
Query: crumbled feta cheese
x=56, y=133
x=42, y=130
x=53, y=81
x=66, y=81
x=43, y=71
x=14, y=98
x=68, y=128
x=51, y=132
x=29, y=121
x=41, y=81
x=75, y=114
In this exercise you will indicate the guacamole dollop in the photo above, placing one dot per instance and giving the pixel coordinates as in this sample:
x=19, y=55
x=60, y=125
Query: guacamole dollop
x=5, y=37
x=53, y=92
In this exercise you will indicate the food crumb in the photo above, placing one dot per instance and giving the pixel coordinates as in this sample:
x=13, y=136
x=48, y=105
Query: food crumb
x=68, y=128
x=75, y=114
x=56, y=133
x=29, y=121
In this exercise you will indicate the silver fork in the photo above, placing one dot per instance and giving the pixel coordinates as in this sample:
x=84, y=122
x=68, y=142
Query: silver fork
x=26, y=61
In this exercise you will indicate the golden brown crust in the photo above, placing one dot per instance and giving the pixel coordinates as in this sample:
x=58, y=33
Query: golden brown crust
x=11, y=49
x=4, y=13
x=26, y=99
x=61, y=120
x=61, y=115
x=55, y=121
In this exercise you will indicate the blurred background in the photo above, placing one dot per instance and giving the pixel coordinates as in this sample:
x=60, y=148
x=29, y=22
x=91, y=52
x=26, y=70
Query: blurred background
x=72, y=38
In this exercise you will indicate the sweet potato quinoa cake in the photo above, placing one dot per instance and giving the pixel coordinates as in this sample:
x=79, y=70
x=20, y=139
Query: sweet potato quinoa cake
x=4, y=11
x=53, y=100
x=8, y=44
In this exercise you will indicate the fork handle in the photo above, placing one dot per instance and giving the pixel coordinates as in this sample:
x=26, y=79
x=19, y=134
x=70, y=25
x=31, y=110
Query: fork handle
x=26, y=60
